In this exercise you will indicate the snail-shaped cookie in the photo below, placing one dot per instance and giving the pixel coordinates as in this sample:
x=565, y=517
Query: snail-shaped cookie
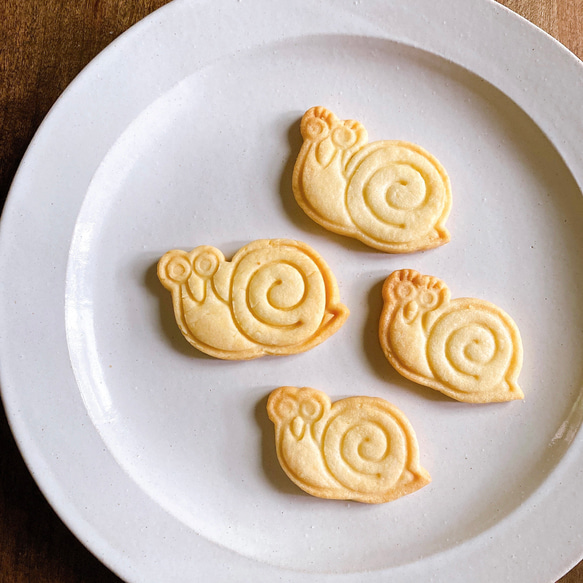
x=468, y=349
x=391, y=195
x=360, y=448
x=274, y=297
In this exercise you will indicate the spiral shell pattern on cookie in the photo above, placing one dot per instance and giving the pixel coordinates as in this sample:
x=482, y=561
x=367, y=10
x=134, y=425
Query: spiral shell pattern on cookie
x=360, y=448
x=470, y=346
x=392, y=195
x=365, y=448
x=467, y=348
x=396, y=192
x=274, y=297
x=278, y=298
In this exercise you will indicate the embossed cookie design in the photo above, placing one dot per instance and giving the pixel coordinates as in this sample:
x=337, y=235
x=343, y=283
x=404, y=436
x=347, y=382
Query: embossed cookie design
x=360, y=448
x=468, y=349
x=391, y=195
x=275, y=296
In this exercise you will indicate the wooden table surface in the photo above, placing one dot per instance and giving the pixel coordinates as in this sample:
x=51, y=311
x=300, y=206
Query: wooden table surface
x=43, y=45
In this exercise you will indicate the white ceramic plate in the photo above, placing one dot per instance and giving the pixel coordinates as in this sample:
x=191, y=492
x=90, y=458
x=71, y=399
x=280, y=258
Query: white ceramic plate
x=183, y=133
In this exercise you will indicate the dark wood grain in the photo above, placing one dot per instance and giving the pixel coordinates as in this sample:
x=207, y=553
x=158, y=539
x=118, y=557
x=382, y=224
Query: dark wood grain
x=43, y=45
x=562, y=19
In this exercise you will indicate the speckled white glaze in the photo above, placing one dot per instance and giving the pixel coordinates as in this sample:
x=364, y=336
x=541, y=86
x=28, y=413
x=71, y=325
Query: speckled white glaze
x=184, y=132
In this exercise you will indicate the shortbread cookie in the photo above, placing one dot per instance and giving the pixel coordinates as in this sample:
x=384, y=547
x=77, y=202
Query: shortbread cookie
x=391, y=195
x=361, y=448
x=466, y=348
x=275, y=296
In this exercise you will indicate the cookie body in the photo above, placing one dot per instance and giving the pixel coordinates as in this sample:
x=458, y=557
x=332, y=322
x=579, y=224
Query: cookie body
x=467, y=348
x=360, y=448
x=276, y=296
x=391, y=195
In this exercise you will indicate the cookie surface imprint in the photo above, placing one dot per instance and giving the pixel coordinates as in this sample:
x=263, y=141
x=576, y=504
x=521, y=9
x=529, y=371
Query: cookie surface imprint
x=276, y=296
x=360, y=448
x=468, y=349
x=391, y=195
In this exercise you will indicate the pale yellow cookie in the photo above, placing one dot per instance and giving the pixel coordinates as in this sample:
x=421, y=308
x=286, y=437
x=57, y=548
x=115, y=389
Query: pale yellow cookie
x=276, y=296
x=360, y=448
x=466, y=348
x=391, y=195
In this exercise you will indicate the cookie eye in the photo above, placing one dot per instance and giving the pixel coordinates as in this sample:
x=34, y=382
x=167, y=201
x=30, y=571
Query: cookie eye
x=316, y=128
x=344, y=137
x=406, y=290
x=428, y=299
x=311, y=409
x=286, y=408
x=206, y=264
x=178, y=268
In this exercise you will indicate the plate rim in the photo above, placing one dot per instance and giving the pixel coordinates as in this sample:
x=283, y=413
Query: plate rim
x=564, y=139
